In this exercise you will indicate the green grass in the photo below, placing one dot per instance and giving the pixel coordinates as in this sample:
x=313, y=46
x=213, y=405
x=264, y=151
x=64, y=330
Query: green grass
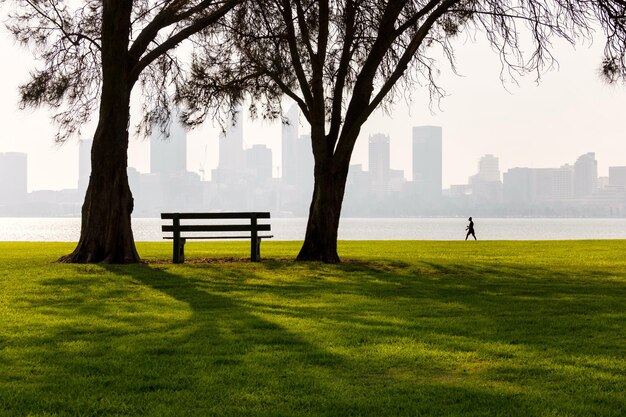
x=399, y=329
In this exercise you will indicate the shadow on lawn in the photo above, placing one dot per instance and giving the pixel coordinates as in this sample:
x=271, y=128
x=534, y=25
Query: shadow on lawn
x=252, y=365
x=524, y=328
x=383, y=339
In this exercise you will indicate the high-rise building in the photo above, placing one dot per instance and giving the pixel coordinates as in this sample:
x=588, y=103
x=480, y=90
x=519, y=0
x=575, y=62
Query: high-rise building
x=168, y=154
x=518, y=185
x=427, y=160
x=298, y=180
x=485, y=184
x=259, y=163
x=289, y=146
x=379, y=164
x=296, y=153
x=232, y=159
x=231, y=144
x=554, y=183
x=13, y=177
x=617, y=176
x=585, y=175
x=488, y=170
x=306, y=162
x=84, y=164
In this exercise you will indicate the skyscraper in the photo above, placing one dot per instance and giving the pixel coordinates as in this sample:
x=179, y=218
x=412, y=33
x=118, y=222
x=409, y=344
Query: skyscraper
x=231, y=164
x=585, y=175
x=84, y=164
x=379, y=164
x=617, y=176
x=486, y=185
x=289, y=145
x=259, y=163
x=13, y=177
x=296, y=153
x=488, y=169
x=231, y=144
x=518, y=185
x=168, y=155
x=554, y=183
x=427, y=160
x=297, y=176
x=305, y=163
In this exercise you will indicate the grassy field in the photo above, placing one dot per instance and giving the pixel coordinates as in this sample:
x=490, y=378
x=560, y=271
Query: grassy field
x=398, y=329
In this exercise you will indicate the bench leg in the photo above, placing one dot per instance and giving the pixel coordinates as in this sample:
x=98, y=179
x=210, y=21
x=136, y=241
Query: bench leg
x=255, y=249
x=179, y=251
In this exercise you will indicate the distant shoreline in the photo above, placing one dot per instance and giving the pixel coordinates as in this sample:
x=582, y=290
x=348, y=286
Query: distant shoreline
x=67, y=229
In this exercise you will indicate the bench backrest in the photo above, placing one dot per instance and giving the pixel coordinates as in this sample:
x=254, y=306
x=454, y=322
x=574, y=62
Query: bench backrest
x=176, y=227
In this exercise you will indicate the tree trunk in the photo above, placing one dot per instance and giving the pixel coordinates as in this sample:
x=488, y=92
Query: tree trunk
x=320, y=241
x=106, y=234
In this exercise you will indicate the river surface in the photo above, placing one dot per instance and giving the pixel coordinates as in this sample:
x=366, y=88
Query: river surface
x=147, y=230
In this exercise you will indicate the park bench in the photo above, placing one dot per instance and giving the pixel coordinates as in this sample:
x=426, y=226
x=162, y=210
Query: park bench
x=244, y=225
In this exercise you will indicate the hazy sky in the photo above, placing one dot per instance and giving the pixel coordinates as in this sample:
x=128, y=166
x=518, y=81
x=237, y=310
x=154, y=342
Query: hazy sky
x=569, y=113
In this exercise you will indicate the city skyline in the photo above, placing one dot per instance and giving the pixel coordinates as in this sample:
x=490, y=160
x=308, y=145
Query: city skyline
x=243, y=181
x=169, y=156
x=543, y=124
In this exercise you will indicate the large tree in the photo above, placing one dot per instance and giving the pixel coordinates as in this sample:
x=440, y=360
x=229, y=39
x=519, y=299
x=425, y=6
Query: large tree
x=93, y=53
x=341, y=59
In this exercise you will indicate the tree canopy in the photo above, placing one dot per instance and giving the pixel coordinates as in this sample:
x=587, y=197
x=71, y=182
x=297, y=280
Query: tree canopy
x=66, y=39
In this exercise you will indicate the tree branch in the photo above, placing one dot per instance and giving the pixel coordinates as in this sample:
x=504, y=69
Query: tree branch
x=183, y=34
x=295, y=55
x=342, y=71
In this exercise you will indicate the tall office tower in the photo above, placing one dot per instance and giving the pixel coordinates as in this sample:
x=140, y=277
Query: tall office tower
x=617, y=176
x=518, y=185
x=84, y=164
x=231, y=145
x=554, y=183
x=379, y=156
x=168, y=155
x=488, y=169
x=585, y=175
x=379, y=164
x=486, y=185
x=305, y=162
x=259, y=163
x=298, y=180
x=231, y=164
x=289, y=139
x=427, y=160
x=13, y=177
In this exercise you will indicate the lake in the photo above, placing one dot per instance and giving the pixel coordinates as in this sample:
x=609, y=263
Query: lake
x=148, y=230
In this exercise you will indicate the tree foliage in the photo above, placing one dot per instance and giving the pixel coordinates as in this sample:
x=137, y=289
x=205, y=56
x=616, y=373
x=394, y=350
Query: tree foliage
x=320, y=52
x=66, y=39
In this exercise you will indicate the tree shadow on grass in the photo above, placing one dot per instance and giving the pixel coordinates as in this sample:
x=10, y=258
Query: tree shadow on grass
x=361, y=339
x=525, y=329
x=178, y=349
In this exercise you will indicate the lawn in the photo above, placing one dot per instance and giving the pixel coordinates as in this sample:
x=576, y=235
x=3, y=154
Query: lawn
x=399, y=329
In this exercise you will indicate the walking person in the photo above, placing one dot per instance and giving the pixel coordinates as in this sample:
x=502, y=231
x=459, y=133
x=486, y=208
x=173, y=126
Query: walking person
x=470, y=229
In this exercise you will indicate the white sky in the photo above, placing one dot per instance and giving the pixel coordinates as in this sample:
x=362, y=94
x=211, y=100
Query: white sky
x=569, y=113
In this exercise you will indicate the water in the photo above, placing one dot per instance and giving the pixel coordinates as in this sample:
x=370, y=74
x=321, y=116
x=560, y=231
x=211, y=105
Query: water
x=147, y=230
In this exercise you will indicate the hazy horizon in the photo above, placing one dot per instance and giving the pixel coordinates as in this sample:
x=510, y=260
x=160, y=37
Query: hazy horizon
x=571, y=112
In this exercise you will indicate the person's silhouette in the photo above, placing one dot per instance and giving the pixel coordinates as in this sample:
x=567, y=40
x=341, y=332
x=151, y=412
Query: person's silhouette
x=470, y=229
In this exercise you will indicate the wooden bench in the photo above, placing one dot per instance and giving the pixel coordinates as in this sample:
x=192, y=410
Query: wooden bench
x=204, y=226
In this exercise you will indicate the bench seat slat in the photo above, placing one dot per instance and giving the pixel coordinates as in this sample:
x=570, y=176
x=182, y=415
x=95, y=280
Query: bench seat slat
x=229, y=215
x=216, y=228
x=219, y=237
